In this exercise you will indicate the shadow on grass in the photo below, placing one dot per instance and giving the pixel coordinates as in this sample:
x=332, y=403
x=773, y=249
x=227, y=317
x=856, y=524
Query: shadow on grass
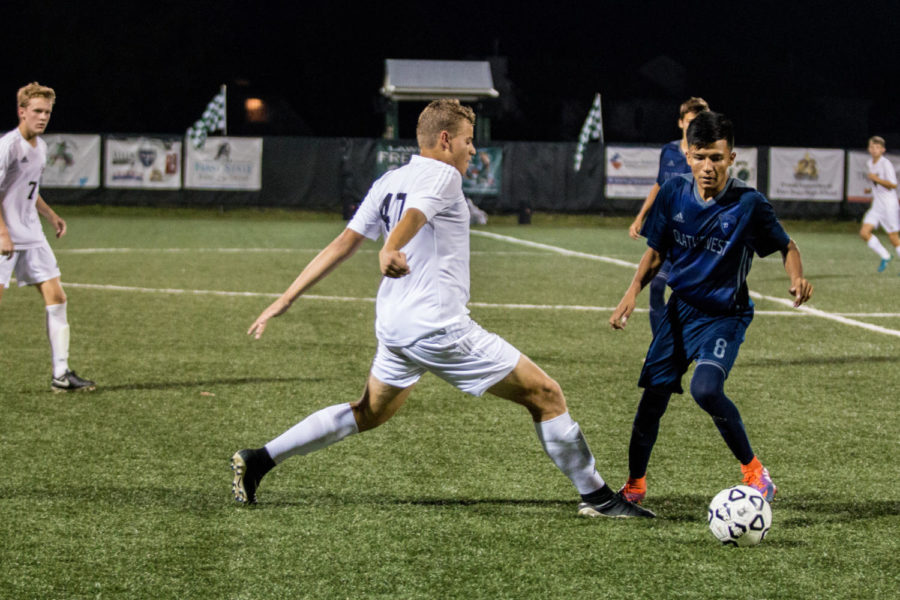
x=812, y=509
x=817, y=360
x=792, y=512
x=171, y=385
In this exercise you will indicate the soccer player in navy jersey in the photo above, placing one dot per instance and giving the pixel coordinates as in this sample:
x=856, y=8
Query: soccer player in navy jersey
x=672, y=163
x=708, y=225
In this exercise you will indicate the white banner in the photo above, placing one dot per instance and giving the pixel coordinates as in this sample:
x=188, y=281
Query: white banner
x=859, y=187
x=73, y=161
x=631, y=171
x=224, y=163
x=746, y=165
x=806, y=174
x=143, y=162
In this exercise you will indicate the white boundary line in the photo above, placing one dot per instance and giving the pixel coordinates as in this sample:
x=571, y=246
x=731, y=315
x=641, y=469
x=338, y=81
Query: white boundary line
x=572, y=307
x=843, y=318
x=243, y=251
x=804, y=309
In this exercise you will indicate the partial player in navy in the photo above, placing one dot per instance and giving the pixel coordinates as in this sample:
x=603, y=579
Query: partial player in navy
x=672, y=163
x=708, y=225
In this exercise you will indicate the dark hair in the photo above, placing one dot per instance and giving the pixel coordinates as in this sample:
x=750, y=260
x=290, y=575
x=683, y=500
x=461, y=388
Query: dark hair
x=692, y=105
x=708, y=128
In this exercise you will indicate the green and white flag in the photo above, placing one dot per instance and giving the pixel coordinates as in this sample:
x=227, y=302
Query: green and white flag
x=213, y=119
x=591, y=130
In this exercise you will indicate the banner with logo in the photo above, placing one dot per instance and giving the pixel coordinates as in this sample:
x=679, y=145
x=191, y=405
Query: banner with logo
x=484, y=172
x=859, y=186
x=143, y=162
x=73, y=161
x=746, y=165
x=806, y=174
x=631, y=171
x=224, y=163
x=389, y=155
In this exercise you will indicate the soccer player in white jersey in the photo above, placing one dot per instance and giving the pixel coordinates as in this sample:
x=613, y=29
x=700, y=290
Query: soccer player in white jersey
x=422, y=323
x=885, y=209
x=23, y=245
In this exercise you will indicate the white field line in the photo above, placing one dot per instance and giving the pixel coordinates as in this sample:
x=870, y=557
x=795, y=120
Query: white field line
x=845, y=318
x=804, y=309
x=572, y=307
x=247, y=251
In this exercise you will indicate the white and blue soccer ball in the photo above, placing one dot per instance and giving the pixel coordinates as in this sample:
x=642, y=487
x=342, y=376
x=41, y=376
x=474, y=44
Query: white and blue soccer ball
x=739, y=516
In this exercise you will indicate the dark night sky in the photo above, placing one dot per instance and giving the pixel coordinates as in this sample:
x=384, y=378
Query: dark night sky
x=789, y=73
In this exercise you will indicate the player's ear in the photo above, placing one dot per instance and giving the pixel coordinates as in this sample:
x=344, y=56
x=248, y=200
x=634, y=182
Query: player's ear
x=444, y=139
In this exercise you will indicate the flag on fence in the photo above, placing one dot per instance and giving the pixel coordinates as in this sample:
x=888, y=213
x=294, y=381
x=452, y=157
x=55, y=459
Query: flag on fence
x=213, y=119
x=591, y=130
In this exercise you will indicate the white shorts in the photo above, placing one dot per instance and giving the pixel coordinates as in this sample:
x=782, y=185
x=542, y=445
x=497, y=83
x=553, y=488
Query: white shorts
x=34, y=265
x=888, y=218
x=466, y=356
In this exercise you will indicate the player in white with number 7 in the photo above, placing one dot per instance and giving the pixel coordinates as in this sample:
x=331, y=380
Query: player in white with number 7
x=422, y=323
x=23, y=245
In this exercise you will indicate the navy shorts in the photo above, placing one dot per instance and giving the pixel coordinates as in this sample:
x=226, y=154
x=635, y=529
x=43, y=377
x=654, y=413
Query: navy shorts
x=687, y=334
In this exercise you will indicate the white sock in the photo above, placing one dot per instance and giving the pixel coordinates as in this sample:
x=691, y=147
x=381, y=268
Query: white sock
x=564, y=443
x=58, y=334
x=897, y=250
x=877, y=248
x=315, y=432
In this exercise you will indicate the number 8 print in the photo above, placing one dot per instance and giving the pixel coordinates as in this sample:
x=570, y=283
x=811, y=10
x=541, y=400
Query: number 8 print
x=719, y=350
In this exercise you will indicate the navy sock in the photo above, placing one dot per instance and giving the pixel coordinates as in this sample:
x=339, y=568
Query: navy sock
x=645, y=429
x=707, y=388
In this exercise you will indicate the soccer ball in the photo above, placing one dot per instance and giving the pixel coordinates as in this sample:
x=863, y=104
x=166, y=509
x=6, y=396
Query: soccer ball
x=739, y=516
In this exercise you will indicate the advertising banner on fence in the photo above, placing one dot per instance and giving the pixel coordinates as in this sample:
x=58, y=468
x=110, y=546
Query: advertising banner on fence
x=806, y=174
x=746, y=166
x=224, y=163
x=143, y=162
x=631, y=171
x=390, y=155
x=73, y=161
x=859, y=186
x=483, y=176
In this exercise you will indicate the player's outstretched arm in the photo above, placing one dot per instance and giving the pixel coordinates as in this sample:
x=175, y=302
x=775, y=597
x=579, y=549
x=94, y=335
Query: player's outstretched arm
x=339, y=250
x=59, y=226
x=646, y=271
x=800, y=289
x=635, y=229
x=392, y=261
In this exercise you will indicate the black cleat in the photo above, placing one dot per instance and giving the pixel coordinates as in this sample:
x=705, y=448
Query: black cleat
x=70, y=382
x=616, y=507
x=249, y=466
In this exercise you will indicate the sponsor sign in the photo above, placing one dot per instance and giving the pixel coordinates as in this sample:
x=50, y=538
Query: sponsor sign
x=484, y=172
x=806, y=174
x=859, y=187
x=390, y=155
x=746, y=165
x=143, y=162
x=224, y=163
x=631, y=171
x=73, y=161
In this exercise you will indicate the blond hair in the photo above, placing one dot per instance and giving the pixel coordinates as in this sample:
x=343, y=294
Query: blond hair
x=34, y=90
x=877, y=139
x=441, y=115
x=693, y=105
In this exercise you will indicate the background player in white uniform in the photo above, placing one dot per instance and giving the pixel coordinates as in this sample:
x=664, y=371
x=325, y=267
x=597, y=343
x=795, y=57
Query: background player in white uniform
x=885, y=209
x=422, y=322
x=23, y=245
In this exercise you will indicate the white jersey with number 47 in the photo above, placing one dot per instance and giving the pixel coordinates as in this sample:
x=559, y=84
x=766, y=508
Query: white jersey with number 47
x=21, y=166
x=435, y=292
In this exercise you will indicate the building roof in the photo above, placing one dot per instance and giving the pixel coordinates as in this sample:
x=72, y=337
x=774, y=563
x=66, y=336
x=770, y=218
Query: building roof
x=468, y=80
